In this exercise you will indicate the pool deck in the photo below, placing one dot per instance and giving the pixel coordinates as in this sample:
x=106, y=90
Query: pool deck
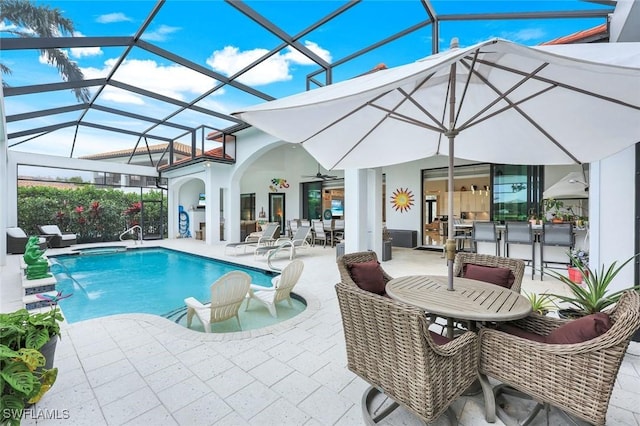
x=139, y=369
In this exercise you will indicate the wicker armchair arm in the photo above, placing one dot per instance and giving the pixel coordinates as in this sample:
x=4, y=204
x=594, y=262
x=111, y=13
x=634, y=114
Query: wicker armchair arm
x=467, y=342
x=539, y=324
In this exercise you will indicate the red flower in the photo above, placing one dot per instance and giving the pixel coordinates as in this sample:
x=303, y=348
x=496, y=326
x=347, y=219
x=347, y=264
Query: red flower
x=79, y=209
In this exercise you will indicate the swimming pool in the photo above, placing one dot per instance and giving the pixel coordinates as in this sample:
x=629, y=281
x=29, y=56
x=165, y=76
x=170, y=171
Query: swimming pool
x=145, y=280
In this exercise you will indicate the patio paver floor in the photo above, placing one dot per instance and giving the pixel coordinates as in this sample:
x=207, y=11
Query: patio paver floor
x=139, y=369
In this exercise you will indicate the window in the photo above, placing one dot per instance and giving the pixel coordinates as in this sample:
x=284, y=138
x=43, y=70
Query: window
x=248, y=206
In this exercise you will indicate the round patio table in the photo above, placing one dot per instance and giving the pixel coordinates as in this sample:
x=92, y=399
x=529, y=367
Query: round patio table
x=470, y=300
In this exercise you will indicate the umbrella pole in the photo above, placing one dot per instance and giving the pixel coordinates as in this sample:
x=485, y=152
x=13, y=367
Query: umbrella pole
x=450, y=247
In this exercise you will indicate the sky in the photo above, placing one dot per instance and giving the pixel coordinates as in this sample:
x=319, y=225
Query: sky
x=217, y=37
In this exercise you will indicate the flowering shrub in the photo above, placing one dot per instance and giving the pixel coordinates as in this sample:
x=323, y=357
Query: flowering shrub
x=94, y=214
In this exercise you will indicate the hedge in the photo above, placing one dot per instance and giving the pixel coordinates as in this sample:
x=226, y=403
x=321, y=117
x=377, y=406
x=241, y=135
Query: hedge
x=94, y=214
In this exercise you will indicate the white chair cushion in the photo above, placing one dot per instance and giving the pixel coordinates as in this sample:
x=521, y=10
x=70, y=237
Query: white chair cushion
x=51, y=229
x=16, y=233
x=67, y=237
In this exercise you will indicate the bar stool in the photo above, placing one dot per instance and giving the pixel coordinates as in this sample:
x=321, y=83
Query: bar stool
x=521, y=233
x=555, y=235
x=485, y=232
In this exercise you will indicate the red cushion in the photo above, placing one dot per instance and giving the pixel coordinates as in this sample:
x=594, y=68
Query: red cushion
x=368, y=276
x=489, y=274
x=581, y=329
x=439, y=339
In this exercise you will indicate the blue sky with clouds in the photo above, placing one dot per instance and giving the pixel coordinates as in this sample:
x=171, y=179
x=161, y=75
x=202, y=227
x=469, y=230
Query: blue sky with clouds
x=215, y=35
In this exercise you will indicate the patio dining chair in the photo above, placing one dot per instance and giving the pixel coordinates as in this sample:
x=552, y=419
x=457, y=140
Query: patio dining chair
x=390, y=347
x=512, y=278
x=346, y=261
x=573, y=374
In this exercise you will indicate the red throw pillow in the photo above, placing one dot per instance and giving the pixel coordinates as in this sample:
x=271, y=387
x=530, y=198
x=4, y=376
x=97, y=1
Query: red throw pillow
x=368, y=276
x=581, y=329
x=489, y=274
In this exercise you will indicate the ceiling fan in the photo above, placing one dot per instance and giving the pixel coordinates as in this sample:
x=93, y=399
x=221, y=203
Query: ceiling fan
x=320, y=175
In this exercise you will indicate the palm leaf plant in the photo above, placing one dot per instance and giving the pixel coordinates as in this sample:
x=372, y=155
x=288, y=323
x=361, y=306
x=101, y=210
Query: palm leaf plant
x=594, y=295
x=28, y=20
x=540, y=303
x=24, y=376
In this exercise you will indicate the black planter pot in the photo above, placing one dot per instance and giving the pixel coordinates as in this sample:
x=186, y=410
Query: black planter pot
x=570, y=313
x=49, y=352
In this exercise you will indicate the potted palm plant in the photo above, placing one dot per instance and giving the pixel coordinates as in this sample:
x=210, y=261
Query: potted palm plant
x=540, y=303
x=27, y=348
x=594, y=295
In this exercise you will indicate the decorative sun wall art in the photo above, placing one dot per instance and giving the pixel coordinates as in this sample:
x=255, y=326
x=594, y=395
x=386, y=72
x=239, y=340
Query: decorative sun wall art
x=402, y=199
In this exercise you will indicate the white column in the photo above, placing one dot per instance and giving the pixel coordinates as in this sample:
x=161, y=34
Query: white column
x=355, y=195
x=4, y=182
x=374, y=209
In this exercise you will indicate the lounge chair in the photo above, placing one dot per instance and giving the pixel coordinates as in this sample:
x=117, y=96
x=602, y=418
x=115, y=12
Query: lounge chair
x=227, y=294
x=17, y=239
x=280, y=289
x=55, y=237
x=265, y=238
x=299, y=240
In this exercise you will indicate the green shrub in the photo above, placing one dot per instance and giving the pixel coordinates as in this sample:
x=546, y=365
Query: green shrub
x=94, y=214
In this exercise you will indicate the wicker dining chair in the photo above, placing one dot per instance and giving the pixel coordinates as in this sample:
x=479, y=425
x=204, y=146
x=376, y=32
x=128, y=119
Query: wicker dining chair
x=515, y=265
x=389, y=346
x=576, y=378
x=346, y=260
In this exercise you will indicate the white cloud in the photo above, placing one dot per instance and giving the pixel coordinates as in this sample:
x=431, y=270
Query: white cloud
x=277, y=67
x=525, y=34
x=295, y=56
x=4, y=27
x=79, y=52
x=161, y=33
x=110, y=18
x=174, y=81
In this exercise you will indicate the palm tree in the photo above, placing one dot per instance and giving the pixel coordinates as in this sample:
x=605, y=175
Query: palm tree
x=42, y=21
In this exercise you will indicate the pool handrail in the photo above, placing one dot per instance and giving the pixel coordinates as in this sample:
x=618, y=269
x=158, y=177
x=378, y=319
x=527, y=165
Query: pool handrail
x=131, y=230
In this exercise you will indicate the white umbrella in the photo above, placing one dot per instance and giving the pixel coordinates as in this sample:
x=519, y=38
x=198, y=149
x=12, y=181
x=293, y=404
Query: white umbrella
x=498, y=101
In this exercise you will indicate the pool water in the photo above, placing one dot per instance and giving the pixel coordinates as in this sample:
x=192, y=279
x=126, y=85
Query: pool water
x=153, y=281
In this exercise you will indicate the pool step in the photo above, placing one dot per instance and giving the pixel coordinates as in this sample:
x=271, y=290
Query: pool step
x=40, y=286
x=33, y=302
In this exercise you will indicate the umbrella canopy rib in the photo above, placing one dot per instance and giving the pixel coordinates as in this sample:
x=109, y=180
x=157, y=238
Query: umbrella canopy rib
x=501, y=95
x=562, y=85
